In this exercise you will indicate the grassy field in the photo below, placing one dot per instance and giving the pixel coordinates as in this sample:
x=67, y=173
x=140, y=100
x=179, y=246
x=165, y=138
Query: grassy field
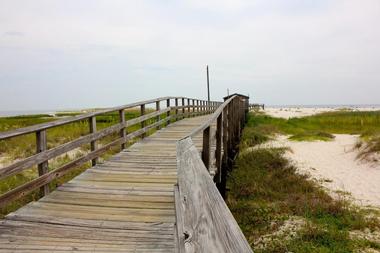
x=282, y=211
x=24, y=146
x=319, y=127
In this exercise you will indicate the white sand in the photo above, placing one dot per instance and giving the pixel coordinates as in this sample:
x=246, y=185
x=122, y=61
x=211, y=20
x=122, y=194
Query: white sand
x=335, y=164
x=296, y=112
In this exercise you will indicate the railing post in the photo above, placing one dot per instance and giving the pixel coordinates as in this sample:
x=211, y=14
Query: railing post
x=176, y=109
x=142, y=110
x=123, y=131
x=218, y=151
x=193, y=112
x=237, y=113
x=92, y=123
x=43, y=168
x=158, y=118
x=183, y=108
x=198, y=107
x=168, y=113
x=188, y=107
x=206, y=148
x=224, y=166
x=230, y=127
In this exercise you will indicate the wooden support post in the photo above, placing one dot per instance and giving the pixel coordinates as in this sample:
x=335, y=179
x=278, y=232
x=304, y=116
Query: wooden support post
x=230, y=128
x=224, y=166
x=225, y=134
x=92, y=123
x=168, y=113
x=218, y=151
x=43, y=168
x=176, y=109
x=123, y=131
x=236, y=120
x=206, y=148
x=142, y=112
x=193, y=112
x=188, y=107
x=158, y=118
x=183, y=108
x=198, y=107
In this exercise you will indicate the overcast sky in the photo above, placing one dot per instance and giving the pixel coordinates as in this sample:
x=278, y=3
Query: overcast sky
x=91, y=53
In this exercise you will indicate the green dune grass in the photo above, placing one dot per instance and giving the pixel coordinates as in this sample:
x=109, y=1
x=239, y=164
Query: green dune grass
x=23, y=146
x=265, y=189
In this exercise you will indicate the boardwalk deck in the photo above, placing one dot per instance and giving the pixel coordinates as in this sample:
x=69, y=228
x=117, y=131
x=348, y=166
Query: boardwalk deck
x=125, y=204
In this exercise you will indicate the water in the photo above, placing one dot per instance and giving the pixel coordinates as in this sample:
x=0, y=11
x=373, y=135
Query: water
x=53, y=112
x=31, y=112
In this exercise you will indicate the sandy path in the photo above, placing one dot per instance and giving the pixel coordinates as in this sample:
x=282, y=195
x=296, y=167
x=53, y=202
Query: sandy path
x=336, y=162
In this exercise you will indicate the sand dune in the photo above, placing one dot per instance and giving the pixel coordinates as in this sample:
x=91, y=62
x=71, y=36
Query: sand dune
x=296, y=112
x=334, y=163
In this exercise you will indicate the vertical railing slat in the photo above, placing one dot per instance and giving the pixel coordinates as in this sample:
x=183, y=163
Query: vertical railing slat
x=158, y=118
x=43, y=168
x=168, y=113
x=218, y=151
x=143, y=123
x=176, y=109
x=206, y=147
x=92, y=123
x=193, y=112
x=183, y=108
x=188, y=107
x=123, y=131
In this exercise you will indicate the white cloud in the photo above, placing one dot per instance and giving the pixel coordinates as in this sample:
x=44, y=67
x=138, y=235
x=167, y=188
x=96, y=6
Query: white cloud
x=262, y=47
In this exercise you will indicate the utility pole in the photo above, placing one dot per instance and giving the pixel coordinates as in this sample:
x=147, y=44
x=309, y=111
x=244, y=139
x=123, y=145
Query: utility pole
x=208, y=86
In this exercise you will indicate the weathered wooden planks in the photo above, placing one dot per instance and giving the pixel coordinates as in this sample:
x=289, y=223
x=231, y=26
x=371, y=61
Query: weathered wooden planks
x=125, y=204
x=206, y=222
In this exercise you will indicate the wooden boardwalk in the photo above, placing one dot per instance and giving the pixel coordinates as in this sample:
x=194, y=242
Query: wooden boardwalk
x=125, y=204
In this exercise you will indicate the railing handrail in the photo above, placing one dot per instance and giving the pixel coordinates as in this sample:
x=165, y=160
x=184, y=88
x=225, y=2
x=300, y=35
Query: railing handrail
x=189, y=107
x=43, y=126
x=211, y=119
x=203, y=221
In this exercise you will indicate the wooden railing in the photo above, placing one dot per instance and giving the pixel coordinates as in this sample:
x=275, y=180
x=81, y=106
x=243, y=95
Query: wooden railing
x=256, y=106
x=203, y=220
x=188, y=107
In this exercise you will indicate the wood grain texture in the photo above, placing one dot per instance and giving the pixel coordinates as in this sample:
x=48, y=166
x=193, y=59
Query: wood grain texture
x=208, y=224
x=128, y=203
x=45, y=155
x=43, y=166
x=125, y=204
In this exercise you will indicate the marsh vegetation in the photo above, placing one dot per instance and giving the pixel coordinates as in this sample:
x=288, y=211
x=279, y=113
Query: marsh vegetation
x=281, y=210
x=21, y=147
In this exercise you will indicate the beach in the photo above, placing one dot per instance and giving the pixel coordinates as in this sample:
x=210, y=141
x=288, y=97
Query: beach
x=333, y=163
x=287, y=112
